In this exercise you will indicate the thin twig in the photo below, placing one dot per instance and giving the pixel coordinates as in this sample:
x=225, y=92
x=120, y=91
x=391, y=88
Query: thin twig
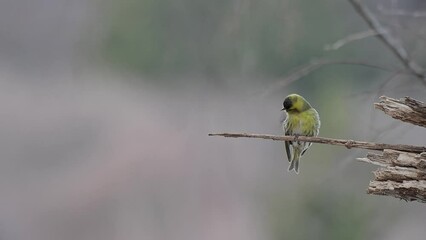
x=377, y=90
x=390, y=41
x=330, y=141
x=381, y=88
x=312, y=66
x=400, y=12
x=350, y=38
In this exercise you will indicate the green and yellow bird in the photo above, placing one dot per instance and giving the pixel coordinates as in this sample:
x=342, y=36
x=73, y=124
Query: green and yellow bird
x=302, y=120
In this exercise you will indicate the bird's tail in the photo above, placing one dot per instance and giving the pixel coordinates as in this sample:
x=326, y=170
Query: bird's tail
x=294, y=164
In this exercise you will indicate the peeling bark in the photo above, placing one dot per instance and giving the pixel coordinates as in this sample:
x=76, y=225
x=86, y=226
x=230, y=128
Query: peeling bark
x=403, y=175
x=406, y=109
x=406, y=190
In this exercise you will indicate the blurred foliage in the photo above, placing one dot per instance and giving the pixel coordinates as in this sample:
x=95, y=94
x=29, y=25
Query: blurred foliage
x=318, y=215
x=218, y=37
x=262, y=41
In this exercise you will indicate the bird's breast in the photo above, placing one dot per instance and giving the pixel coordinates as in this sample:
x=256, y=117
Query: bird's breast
x=295, y=124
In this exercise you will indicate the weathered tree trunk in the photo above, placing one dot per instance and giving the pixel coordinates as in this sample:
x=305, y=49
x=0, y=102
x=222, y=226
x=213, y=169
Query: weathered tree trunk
x=402, y=173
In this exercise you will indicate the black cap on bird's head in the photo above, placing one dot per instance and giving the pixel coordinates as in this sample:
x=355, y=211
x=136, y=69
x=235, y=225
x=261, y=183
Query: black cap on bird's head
x=287, y=104
x=295, y=103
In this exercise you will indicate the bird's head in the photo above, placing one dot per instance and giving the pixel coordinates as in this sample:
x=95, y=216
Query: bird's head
x=295, y=103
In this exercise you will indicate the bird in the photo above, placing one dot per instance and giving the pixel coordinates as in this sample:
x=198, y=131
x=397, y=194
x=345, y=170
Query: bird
x=302, y=120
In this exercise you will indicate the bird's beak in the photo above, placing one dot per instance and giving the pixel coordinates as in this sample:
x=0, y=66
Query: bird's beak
x=282, y=109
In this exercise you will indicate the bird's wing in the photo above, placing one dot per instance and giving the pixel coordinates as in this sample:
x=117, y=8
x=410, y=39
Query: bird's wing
x=287, y=149
x=314, y=132
x=287, y=132
x=287, y=144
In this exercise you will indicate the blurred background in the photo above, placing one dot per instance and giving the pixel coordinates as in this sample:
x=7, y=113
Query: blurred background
x=106, y=106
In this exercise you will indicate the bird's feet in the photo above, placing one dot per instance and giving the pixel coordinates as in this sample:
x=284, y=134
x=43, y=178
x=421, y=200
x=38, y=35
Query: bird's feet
x=296, y=137
x=349, y=144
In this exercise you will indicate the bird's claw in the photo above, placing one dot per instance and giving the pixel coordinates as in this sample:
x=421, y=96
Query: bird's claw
x=349, y=144
x=296, y=137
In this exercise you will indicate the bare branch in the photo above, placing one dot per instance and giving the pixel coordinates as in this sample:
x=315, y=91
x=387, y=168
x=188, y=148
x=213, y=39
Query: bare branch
x=348, y=39
x=339, y=142
x=406, y=109
x=390, y=41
